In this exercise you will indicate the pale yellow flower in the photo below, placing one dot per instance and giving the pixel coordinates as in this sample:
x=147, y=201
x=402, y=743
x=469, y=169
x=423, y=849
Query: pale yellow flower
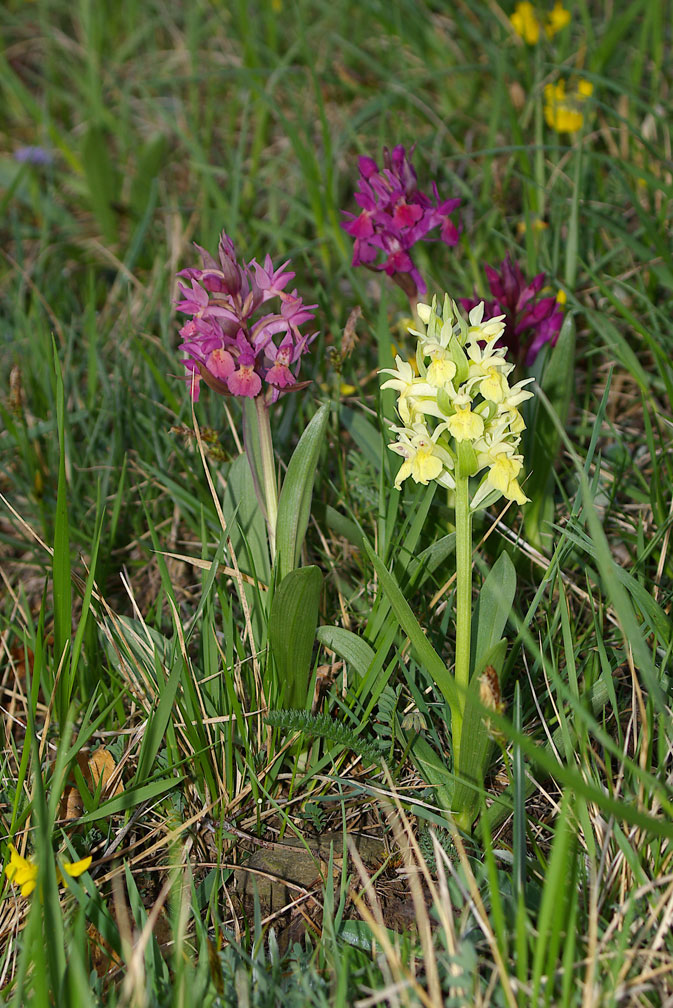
x=525, y=23
x=465, y=425
x=489, y=331
x=22, y=871
x=424, y=459
x=493, y=386
x=441, y=369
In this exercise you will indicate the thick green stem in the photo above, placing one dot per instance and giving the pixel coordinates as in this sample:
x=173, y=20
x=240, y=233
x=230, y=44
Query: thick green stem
x=269, y=485
x=463, y=608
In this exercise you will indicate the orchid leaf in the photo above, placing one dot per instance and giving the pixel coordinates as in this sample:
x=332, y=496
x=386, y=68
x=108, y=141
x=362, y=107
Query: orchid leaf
x=492, y=610
x=292, y=629
x=351, y=648
x=294, y=504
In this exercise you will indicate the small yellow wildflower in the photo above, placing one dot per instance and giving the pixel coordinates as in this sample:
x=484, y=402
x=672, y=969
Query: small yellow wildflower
x=557, y=19
x=22, y=871
x=563, y=110
x=525, y=23
x=561, y=297
x=534, y=224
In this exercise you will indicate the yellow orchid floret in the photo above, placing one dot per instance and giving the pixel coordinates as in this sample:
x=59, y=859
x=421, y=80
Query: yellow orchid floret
x=441, y=369
x=517, y=394
x=488, y=331
x=416, y=396
x=23, y=871
x=465, y=425
x=502, y=478
x=493, y=386
x=424, y=459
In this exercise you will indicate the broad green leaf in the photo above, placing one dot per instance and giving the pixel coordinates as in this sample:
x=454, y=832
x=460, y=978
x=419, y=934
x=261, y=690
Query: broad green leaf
x=353, y=649
x=292, y=630
x=294, y=504
x=492, y=610
x=245, y=522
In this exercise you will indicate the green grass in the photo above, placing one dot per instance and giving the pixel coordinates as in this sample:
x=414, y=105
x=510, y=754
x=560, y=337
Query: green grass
x=166, y=124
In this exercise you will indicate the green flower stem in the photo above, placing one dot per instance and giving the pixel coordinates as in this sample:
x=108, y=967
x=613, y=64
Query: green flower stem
x=269, y=485
x=463, y=607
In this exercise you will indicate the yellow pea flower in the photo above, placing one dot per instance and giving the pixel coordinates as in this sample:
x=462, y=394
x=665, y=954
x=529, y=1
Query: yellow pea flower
x=525, y=23
x=557, y=19
x=563, y=110
x=22, y=871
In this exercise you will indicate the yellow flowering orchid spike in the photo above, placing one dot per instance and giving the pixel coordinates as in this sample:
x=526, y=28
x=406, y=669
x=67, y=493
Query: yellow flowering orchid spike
x=21, y=871
x=525, y=23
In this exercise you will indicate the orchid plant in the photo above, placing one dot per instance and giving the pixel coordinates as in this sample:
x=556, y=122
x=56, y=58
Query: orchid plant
x=461, y=426
x=244, y=339
x=394, y=216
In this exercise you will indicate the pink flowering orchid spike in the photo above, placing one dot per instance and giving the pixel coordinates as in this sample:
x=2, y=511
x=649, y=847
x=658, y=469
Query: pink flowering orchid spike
x=530, y=321
x=242, y=344
x=227, y=341
x=394, y=215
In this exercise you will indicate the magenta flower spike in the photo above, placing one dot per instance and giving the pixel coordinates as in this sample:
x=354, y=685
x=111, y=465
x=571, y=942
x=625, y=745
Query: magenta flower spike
x=530, y=322
x=394, y=215
x=228, y=342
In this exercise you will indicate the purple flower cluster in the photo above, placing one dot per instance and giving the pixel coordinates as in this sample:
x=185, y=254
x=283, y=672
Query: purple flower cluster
x=394, y=216
x=530, y=322
x=234, y=352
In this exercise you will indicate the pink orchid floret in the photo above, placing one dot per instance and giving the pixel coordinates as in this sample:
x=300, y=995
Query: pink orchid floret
x=227, y=342
x=530, y=321
x=394, y=215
